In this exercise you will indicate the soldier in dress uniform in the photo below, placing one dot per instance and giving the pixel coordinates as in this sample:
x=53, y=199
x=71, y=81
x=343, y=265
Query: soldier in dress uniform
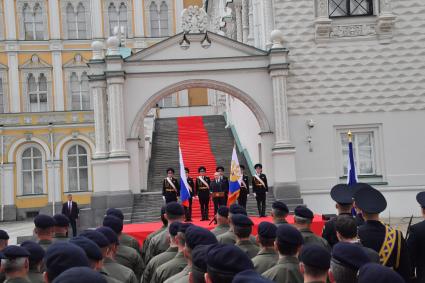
x=188, y=210
x=315, y=263
x=218, y=191
x=44, y=229
x=148, y=239
x=279, y=213
x=376, y=273
x=14, y=263
x=303, y=219
x=416, y=244
x=267, y=256
x=222, y=221
x=81, y=275
x=125, y=239
x=244, y=190
x=242, y=226
x=61, y=227
x=288, y=243
x=36, y=252
x=225, y=181
x=170, y=187
x=386, y=241
x=260, y=188
x=203, y=192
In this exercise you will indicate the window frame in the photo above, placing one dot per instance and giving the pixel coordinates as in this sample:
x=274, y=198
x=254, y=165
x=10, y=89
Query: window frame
x=19, y=168
x=65, y=151
x=5, y=88
x=348, y=2
x=20, y=16
x=147, y=12
x=117, y=3
x=76, y=65
x=79, y=75
x=87, y=17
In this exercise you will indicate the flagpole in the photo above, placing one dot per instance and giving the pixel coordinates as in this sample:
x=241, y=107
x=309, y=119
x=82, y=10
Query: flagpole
x=350, y=136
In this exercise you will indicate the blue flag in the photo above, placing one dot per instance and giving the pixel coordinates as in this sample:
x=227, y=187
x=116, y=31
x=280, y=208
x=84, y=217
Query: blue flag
x=351, y=167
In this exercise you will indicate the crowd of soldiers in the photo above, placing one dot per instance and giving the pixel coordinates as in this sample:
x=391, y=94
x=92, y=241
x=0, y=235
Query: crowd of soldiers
x=352, y=249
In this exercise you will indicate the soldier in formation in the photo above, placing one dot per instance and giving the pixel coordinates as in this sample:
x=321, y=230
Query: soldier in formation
x=203, y=192
x=170, y=187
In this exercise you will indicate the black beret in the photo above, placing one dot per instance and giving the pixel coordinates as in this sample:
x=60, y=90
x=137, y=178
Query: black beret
x=350, y=255
x=288, y=234
x=114, y=223
x=97, y=237
x=280, y=206
x=115, y=212
x=90, y=248
x=223, y=211
x=267, y=230
x=186, y=169
x=303, y=212
x=370, y=200
x=202, y=168
x=242, y=167
x=237, y=209
x=241, y=220
x=376, y=273
x=174, y=208
x=61, y=256
x=258, y=165
x=342, y=194
x=224, y=258
x=4, y=235
x=196, y=236
x=12, y=252
x=420, y=197
x=109, y=234
x=315, y=256
x=61, y=220
x=44, y=221
x=199, y=257
x=170, y=169
x=173, y=229
x=250, y=276
x=80, y=275
x=183, y=226
x=219, y=168
x=35, y=250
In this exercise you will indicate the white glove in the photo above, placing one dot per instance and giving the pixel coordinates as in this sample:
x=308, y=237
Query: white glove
x=163, y=198
x=255, y=195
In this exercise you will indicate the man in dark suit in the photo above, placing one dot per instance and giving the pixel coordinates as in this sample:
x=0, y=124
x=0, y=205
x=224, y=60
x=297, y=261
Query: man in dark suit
x=416, y=244
x=225, y=181
x=218, y=190
x=71, y=210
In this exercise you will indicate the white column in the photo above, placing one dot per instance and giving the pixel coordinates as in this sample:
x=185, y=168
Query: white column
x=98, y=94
x=9, y=180
x=13, y=64
x=280, y=108
x=178, y=15
x=238, y=12
x=53, y=171
x=10, y=19
x=116, y=117
x=245, y=21
x=138, y=18
x=54, y=19
x=58, y=80
x=97, y=19
x=268, y=20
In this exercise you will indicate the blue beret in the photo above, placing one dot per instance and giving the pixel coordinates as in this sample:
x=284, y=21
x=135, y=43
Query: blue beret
x=61, y=220
x=90, y=248
x=12, y=252
x=267, y=230
x=370, y=200
x=250, y=276
x=241, y=220
x=288, y=234
x=420, y=197
x=80, y=275
x=237, y=209
x=114, y=223
x=350, y=255
x=223, y=258
x=303, y=212
x=4, y=235
x=174, y=208
x=61, y=256
x=376, y=273
x=183, y=226
x=196, y=236
x=258, y=165
x=315, y=256
x=223, y=211
x=109, y=234
x=97, y=237
x=173, y=229
x=35, y=250
x=280, y=206
x=342, y=194
x=199, y=257
x=44, y=221
x=115, y=212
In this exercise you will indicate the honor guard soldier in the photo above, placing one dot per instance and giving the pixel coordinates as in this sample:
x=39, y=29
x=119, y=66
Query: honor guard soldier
x=385, y=240
x=35, y=275
x=170, y=187
x=225, y=181
x=44, y=229
x=203, y=192
x=260, y=188
x=218, y=191
x=14, y=263
x=244, y=190
x=415, y=243
x=267, y=256
x=188, y=210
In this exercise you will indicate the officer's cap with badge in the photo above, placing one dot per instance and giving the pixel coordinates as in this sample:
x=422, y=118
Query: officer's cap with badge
x=91, y=249
x=303, y=212
x=369, y=200
x=227, y=259
x=376, y=273
x=349, y=255
x=278, y=205
x=196, y=236
x=250, y=276
x=202, y=169
x=97, y=237
x=223, y=211
x=4, y=235
x=267, y=230
x=342, y=194
x=61, y=220
x=241, y=220
x=80, y=275
x=35, y=250
x=258, y=165
x=219, y=168
x=237, y=209
x=420, y=197
x=43, y=221
x=170, y=170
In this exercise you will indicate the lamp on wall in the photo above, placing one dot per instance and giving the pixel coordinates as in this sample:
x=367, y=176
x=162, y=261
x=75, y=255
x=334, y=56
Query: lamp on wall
x=310, y=125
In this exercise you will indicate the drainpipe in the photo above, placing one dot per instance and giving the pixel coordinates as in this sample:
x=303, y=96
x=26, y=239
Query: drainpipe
x=53, y=168
x=2, y=174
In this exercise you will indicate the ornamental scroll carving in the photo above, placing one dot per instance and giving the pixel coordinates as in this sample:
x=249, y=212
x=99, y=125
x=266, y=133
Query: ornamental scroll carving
x=194, y=20
x=353, y=30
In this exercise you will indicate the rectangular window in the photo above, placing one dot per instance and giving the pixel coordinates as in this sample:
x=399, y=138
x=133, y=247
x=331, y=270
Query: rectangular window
x=363, y=149
x=350, y=8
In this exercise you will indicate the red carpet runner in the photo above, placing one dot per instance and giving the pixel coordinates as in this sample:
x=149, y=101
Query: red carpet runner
x=196, y=151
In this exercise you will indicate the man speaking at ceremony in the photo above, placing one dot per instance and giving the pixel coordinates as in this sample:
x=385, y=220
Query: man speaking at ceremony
x=70, y=209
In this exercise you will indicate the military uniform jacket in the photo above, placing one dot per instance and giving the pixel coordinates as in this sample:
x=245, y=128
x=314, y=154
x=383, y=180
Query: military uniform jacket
x=286, y=270
x=220, y=229
x=329, y=231
x=248, y=247
x=244, y=190
x=168, y=269
x=310, y=238
x=201, y=189
x=17, y=280
x=131, y=258
x=35, y=276
x=158, y=244
x=129, y=241
x=265, y=259
x=157, y=261
x=45, y=244
x=218, y=186
x=60, y=238
x=257, y=186
x=230, y=238
x=192, y=185
x=108, y=278
x=416, y=246
x=168, y=190
x=147, y=241
x=181, y=277
x=118, y=271
x=278, y=222
x=372, y=235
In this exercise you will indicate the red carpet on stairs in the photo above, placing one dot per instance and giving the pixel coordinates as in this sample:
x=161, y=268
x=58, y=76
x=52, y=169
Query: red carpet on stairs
x=196, y=151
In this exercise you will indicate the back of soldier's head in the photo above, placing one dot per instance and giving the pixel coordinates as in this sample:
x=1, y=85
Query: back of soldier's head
x=343, y=274
x=346, y=226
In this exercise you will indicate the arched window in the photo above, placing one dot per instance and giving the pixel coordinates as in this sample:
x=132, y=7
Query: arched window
x=37, y=92
x=78, y=177
x=154, y=16
x=71, y=22
x=80, y=92
x=32, y=171
x=76, y=21
x=81, y=21
x=117, y=17
x=33, y=22
x=163, y=20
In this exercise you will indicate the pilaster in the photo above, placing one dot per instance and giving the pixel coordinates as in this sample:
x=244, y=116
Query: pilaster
x=245, y=21
x=10, y=20
x=53, y=172
x=96, y=11
x=56, y=48
x=238, y=15
x=13, y=65
x=98, y=93
x=54, y=19
x=268, y=20
x=138, y=19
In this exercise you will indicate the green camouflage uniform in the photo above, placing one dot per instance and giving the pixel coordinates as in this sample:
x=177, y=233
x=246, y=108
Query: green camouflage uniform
x=265, y=259
x=286, y=270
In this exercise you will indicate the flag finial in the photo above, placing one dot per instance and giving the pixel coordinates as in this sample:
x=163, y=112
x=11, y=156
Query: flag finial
x=350, y=136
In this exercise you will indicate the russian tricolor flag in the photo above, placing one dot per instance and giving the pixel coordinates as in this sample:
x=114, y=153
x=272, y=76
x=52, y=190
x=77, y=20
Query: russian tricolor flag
x=184, y=186
x=235, y=178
